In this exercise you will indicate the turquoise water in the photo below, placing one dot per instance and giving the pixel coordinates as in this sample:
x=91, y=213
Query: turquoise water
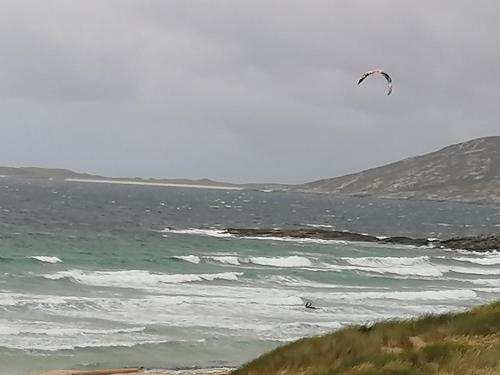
x=102, y=276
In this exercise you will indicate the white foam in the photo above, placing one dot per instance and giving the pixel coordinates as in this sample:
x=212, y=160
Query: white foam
x=418, y=266
x=223, y=234
x=137, y=278
x=490, y=260
x=291, y=261
x=387, y=261
x=472, y=270
x=189, y=258
x=487, y=282
x=429, y=295
x=303, y=283
x=297, y=239
x=330, y=325
x=468, y=252
x=239, y=310
x=12, y=328
x=195, y=259
x=319, y=225
x=7, y=299
x=46, y=259
x=232, y=260
x=488, y=290
x=200, y=232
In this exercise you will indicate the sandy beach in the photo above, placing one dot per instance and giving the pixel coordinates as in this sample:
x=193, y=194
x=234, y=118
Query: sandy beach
x=137, y=371
x=145, y=183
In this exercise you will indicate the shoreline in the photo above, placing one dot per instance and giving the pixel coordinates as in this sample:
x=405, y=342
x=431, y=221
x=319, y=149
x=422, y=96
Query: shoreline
x=138, y=371
x=144, y=183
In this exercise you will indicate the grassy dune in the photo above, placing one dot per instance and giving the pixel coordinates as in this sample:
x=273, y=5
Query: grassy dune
x=460, y=343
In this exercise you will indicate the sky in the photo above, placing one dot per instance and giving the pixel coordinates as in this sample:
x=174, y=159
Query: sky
x=242, y=91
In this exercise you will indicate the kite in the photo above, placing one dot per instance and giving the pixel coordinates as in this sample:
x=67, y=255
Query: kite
x=381, y=72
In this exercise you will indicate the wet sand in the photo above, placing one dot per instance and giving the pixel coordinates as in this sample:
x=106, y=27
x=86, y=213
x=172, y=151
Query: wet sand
x=136, y=371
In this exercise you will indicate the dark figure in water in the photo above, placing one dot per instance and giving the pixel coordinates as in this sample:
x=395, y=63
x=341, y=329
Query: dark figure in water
x=310, y=306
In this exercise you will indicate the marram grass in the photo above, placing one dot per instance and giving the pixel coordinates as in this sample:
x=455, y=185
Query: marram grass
x=465, y=343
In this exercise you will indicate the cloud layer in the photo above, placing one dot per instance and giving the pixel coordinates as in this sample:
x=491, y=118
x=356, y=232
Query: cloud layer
x=242, y=90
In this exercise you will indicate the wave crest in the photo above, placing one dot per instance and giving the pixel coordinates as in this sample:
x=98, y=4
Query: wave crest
x=46, y=259
x=137, y=278
x=291, y=261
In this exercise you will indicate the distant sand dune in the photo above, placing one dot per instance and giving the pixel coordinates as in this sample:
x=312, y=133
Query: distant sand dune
x=144, y=183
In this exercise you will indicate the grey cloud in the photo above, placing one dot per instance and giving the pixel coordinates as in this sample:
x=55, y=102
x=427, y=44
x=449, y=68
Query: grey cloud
x=242, y=90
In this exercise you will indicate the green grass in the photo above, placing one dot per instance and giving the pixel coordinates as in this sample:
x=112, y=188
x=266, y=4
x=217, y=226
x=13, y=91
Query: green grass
x=462, y=343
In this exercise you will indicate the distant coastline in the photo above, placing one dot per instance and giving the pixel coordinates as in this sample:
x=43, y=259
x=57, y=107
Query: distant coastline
x=144, y=183
x=467, y=172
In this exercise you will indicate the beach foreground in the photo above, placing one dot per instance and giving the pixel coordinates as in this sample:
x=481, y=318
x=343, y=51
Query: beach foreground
x=447, y=344
x=136, y=371
x=452, y=343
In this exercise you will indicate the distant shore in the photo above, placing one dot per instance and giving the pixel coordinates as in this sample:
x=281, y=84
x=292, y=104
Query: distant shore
x=145, y=183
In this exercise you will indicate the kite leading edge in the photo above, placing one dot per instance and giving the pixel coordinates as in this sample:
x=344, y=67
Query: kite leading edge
x=381, y=72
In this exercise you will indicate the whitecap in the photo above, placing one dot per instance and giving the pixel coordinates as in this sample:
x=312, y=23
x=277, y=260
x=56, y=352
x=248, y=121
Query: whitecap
x=232, y=260
x=427, y=295
x=199, y=232
x=224, y=234
x=189, y=258
x=487, y=282
x=291, y=261
x=387, y=261
x=46, y=259
x=472, y=270
x=488, y=290
x=301, y=283
x=490, y=260
x=137, y=278
x=468, y=252
x=417, y=266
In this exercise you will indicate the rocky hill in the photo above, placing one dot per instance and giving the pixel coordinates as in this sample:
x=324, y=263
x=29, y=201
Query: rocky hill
x=464, y=172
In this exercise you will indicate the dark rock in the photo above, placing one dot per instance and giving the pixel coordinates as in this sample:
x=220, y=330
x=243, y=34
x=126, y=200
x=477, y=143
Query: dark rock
x=479, y=243
x=405, y=241
x=320, y=234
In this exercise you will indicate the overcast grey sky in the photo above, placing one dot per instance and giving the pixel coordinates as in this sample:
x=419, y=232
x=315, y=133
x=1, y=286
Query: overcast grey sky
x=242, y=91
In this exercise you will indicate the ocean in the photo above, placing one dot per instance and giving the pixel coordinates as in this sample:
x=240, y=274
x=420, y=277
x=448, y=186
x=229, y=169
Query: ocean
x=96, y=275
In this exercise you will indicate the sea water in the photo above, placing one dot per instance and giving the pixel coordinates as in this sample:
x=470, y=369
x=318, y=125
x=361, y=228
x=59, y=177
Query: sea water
x=95, y=276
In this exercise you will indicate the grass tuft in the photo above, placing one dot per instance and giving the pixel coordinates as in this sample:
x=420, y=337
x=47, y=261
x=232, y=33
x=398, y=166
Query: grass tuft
x=454, y=343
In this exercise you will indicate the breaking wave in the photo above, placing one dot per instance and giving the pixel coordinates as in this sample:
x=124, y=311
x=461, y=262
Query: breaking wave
x=137, y=278
x=403, y=266
x=46, y=259
x=292, y=261
x=428, y=295
x=188, y=258
x=199, y=232
x=232, y=260
x=490, y=260
x=195, y=259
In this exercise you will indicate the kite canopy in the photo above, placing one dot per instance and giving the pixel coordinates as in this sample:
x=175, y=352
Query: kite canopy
x=381, y=72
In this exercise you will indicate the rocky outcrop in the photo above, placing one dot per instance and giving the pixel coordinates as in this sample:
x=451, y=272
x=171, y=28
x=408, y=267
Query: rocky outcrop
x=479, y=243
